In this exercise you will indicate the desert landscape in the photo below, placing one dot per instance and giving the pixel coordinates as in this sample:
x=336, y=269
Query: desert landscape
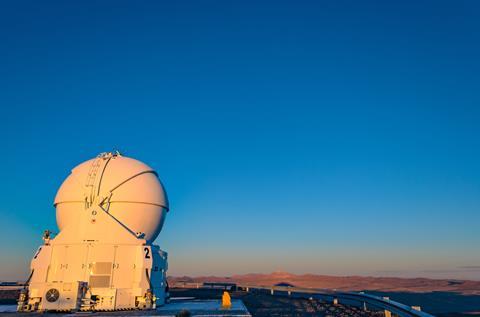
x=345, y=283
x=441, y=297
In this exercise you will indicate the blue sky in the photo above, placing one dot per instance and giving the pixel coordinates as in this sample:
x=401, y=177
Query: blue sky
x=330, y=137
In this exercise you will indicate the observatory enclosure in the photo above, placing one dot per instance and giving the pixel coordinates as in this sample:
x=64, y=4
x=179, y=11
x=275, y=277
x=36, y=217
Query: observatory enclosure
x=109, y=210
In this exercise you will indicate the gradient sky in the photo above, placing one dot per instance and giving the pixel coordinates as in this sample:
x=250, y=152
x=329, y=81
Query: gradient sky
x=330, y=137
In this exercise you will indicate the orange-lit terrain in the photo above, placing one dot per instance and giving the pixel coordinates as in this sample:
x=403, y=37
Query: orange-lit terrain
x=347, y=283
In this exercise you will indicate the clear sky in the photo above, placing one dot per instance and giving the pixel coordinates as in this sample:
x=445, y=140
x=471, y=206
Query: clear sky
x=329, y=137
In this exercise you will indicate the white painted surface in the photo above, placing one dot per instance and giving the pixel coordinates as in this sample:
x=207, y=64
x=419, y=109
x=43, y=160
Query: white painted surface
x=206, y=306
x=129, y=189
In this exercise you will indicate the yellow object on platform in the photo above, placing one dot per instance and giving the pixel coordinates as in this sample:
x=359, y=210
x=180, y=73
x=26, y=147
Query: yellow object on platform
x=226, y=300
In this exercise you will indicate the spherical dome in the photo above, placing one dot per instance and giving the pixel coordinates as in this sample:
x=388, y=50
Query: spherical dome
x=127, y=189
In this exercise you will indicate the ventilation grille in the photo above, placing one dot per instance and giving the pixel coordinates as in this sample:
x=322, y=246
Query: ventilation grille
x=99, y=281
x=100, y=274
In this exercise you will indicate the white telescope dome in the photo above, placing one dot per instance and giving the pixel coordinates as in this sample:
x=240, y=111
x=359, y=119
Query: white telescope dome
x=127, y=189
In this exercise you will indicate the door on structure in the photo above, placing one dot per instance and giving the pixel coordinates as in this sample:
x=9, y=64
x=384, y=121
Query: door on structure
x=58, y=264
x=41, y=264
x=124, y=266
x=100, y=265
x=143, y=266
x=76, y=266
x=159, y=267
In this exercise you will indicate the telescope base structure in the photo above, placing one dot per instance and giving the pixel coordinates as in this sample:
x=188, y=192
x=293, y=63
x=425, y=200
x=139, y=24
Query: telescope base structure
x=96, y=277
x=109, y=211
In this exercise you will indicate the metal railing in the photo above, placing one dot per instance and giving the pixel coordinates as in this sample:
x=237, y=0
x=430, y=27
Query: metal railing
x=349, y=298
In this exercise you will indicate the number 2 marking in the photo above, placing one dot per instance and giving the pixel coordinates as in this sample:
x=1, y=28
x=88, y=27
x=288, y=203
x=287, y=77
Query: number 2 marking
x=147, y=253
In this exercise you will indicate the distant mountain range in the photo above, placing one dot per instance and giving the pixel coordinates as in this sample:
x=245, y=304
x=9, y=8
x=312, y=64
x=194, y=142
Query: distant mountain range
x=346, y=283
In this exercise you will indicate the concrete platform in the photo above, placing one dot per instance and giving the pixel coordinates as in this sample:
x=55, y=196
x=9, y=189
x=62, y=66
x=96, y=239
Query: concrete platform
x=197, y=307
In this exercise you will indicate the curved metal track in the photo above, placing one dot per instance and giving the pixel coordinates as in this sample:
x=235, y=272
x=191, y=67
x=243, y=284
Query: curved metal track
x=381, y=303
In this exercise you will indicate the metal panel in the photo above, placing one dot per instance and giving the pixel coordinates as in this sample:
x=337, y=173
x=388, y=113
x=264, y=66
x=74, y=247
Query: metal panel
x=99, y=281
x=76, y=263
x=100, y=261
x=124, y=266
x=41, y=263
x=102, y=268
x=58, y=264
